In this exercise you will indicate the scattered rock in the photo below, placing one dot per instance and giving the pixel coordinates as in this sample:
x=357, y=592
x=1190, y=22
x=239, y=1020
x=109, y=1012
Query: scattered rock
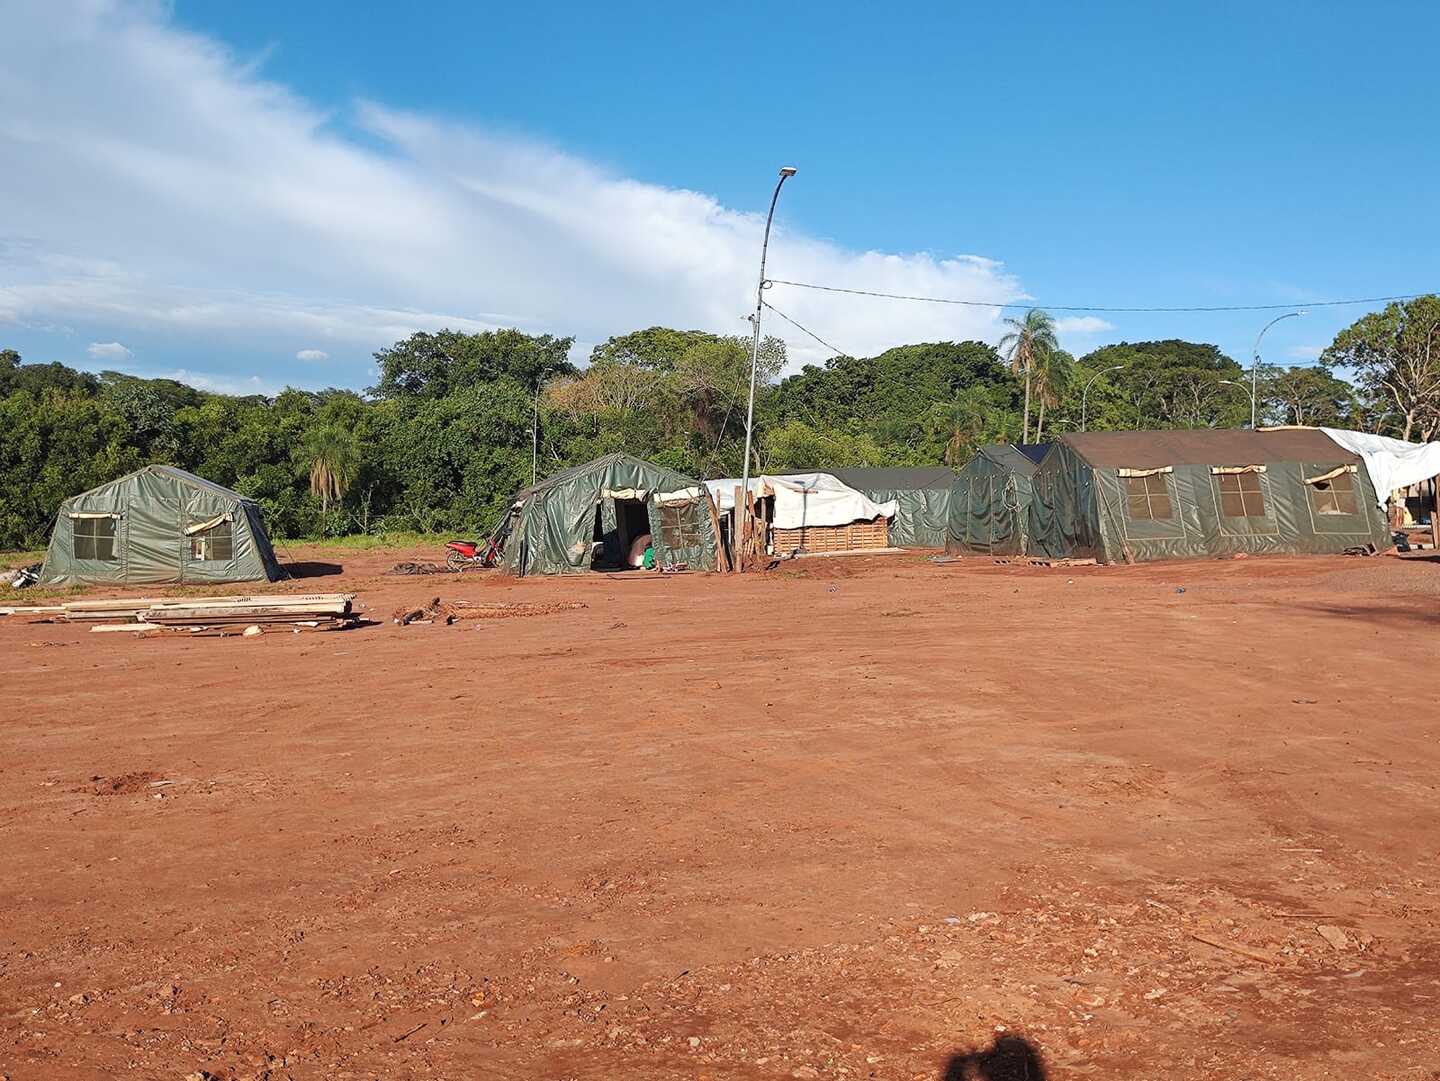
x=1333, y=935
x=804, y=1071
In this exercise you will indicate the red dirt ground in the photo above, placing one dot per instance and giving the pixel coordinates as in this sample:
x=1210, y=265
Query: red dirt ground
x=838, y=821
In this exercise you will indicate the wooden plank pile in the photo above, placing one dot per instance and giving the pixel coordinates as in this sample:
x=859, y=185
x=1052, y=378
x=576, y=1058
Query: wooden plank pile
x=210, y=616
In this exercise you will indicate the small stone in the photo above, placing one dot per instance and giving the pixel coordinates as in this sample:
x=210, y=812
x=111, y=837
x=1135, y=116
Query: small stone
x=253, y=631
x=694, y=1041
x=804, y=1071
x=1333, y=935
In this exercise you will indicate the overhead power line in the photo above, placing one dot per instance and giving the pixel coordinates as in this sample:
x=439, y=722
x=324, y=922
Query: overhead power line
x=1092, y=307
x=807, y=330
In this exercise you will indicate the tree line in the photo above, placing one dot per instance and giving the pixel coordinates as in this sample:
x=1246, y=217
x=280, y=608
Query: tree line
x=457, y=423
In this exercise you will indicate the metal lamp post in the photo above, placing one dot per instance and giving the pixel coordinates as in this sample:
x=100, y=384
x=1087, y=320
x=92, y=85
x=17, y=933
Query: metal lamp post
x=1247, y=390
x=785, y=174
x=1255, y=365
x=1085, y=394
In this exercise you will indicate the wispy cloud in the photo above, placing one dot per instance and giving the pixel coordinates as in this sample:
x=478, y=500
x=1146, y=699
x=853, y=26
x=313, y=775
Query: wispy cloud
x=1305, y=352
x=230, y=205
x=1082, y=324
x=107, y=351
x=312, y=355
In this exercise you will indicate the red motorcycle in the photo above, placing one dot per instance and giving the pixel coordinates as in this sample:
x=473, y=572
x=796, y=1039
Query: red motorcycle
x=467, y=555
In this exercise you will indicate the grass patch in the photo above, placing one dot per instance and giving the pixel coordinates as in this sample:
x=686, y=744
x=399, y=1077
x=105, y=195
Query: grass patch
x=364, y=542
x=11, y=560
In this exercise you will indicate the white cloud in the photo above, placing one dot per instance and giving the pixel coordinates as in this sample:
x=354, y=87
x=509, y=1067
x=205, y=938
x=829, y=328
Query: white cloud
x=1305, y=352
x=219, y=383
x=107, y=351
x=312, y=355
x=228, y=205
x=1082, y=324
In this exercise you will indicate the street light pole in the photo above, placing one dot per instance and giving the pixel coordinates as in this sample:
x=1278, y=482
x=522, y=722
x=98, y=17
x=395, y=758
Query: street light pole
x=1255, y=365
x=1247, y=390
x=785, y=174
x=1085, y=394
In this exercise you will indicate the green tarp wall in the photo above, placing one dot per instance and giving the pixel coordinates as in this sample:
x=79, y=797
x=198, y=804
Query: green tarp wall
x=990, y=503
x=1079, y=506
x=552, y=525
x=922, y=519
x=146, y=529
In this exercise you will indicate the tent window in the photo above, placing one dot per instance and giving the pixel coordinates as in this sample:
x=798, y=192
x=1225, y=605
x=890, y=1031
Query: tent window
x=1334, y=495
x=1148, y=498
x=680, y=526
x=213, y=545
x=1240, y=495
x=95, y=539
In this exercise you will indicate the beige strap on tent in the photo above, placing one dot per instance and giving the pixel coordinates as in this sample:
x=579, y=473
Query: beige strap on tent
x=678, y=498
x=1145, y=472
x=624, y=493
x=92, y=514
x=1323, y=477
x=1231, y=470
x=201, y=527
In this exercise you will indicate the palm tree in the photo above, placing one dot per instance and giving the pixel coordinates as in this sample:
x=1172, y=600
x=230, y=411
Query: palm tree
x=1030, y=339
x=962, y=421
x=334, y=456
x=1053, y=372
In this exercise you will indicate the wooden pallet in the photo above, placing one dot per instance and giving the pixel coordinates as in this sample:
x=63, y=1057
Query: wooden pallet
x=833, y=538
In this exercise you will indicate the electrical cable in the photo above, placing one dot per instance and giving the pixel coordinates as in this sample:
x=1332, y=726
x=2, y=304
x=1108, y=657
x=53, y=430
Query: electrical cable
x=806, y=330
x=1087, y=307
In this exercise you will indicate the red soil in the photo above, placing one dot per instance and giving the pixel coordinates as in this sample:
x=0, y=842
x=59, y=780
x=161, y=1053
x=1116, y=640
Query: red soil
x=841, y=820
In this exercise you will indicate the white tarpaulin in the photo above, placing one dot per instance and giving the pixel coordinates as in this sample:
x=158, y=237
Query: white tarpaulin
x=1391, y=463
x=805, y=499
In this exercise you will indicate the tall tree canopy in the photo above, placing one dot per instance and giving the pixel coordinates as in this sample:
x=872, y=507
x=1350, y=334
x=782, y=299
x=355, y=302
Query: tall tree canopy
x=1395, y=355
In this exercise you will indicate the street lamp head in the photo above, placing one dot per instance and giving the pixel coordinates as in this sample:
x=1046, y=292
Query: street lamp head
x=1302, y=311
x=788, y=170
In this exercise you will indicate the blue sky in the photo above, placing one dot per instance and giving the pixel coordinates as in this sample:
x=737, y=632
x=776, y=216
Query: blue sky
x=215, y=189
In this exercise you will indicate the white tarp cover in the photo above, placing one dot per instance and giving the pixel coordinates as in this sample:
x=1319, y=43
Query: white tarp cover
x=1391, y=463
x=806, y=499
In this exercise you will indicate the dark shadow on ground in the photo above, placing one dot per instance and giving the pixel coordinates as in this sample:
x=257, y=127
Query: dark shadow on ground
x=1402, y=616
x=312, y=570
x=1009, y=1058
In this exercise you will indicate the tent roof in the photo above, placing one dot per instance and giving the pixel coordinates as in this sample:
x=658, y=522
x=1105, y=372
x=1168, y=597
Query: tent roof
x=600, y=464
x=1012, y=457
x=1150, y=450
x=1034, y=451
x=175, y=473
x=892, y=478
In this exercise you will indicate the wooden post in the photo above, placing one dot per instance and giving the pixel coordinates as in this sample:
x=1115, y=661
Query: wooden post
x=722, y=563
x=1435, y=515
x=737, y=530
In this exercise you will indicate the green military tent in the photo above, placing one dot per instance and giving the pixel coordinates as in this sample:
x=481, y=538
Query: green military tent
x=1134, y=496
x=159, y=525
x=587, y=518
x=990, y=500
x=923, y=494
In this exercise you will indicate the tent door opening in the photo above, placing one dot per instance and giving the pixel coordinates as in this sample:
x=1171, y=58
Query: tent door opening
x=621, y=535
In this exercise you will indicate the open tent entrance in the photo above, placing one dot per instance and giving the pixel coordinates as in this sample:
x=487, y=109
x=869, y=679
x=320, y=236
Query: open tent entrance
x=621, y=534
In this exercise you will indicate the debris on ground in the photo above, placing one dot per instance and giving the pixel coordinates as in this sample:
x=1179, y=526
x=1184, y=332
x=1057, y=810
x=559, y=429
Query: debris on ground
x=447, y=612
x=419, y=568
x=20, y=577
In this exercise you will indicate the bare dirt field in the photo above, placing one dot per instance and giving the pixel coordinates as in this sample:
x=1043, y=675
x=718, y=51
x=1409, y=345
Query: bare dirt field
x=843, y=820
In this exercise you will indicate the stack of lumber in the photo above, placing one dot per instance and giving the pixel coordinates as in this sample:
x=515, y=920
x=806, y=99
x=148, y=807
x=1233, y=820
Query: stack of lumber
x=204, y=615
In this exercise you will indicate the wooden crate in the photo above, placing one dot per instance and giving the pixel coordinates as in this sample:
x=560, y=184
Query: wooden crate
x=833, y=538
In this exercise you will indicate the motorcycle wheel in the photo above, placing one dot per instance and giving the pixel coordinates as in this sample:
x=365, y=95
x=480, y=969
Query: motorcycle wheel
x=455, y=561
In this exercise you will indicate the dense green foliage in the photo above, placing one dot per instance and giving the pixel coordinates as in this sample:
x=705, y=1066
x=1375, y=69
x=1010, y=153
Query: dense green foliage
x=444, y=437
